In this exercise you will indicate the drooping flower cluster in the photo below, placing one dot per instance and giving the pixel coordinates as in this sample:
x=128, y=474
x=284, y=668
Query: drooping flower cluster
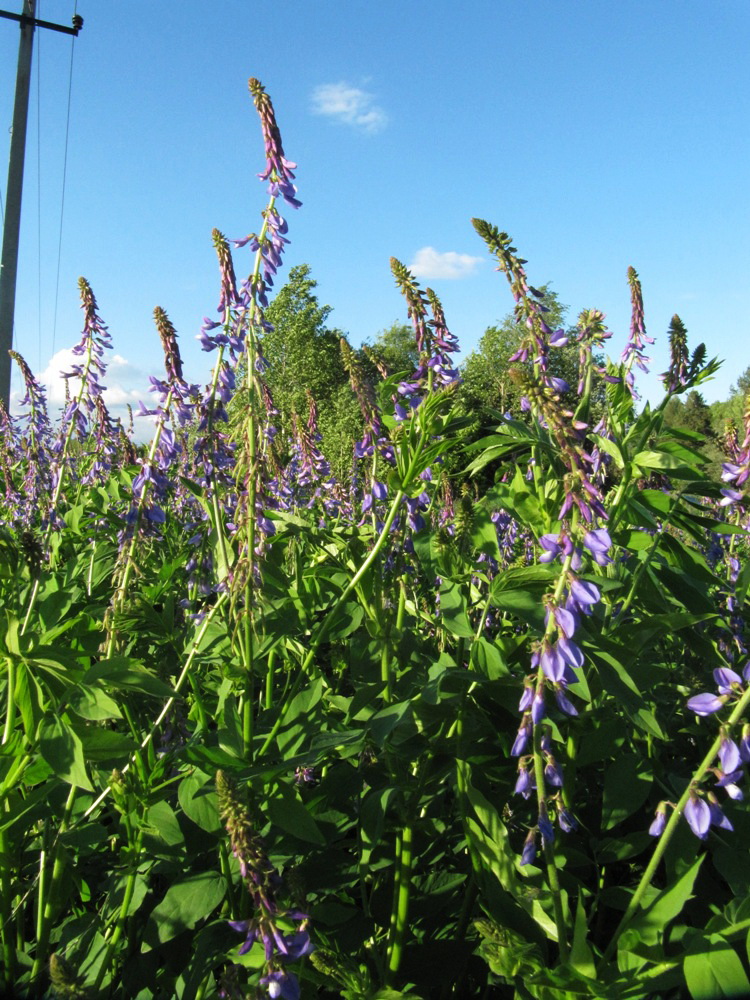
x=702, y=810
x=435, y=343
x=737, y=470
x=283, y=933
x=554, y=660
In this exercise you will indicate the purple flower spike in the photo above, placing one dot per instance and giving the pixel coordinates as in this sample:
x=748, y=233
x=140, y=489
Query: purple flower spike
x=698, y=815
x=706, y=704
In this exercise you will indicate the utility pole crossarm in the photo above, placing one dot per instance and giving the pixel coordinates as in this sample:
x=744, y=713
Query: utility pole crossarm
x=24, y=19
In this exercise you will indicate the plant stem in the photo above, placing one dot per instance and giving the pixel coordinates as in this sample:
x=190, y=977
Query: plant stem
x=48, y=899
x=400, y=915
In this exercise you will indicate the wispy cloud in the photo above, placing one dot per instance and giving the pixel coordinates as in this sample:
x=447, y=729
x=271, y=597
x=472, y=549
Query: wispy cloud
x=429, y=263
x=350, y=105
x=126, y=384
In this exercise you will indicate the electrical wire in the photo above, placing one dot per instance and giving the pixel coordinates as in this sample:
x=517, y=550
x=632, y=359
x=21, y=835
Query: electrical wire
x=39, y=191
x=64, y=177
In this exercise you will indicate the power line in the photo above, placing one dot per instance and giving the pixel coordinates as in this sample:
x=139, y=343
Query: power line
x=39, y=195
x=64, y=177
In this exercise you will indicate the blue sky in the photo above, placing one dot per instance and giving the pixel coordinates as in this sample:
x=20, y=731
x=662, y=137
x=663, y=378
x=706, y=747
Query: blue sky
x=598, y=135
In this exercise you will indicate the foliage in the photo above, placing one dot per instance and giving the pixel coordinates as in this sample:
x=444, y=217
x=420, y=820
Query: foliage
x=267, y=731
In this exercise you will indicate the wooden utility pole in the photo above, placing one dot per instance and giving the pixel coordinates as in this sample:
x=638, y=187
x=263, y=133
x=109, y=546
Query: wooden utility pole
x=11, y=230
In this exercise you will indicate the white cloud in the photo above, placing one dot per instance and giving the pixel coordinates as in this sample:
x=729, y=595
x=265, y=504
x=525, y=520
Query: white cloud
x=124, y=382
x=429, y=263
x=350, y=105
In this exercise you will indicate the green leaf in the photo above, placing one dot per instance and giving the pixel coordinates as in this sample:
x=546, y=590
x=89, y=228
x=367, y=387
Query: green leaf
x=128, y=675
x=63, y=751
x=658, y=460
x=372, y=819
x=626, y=787
x=453, y=610
x=286, y=811
x=186, y=903
x=93, y=703
x=197, y=796
x=713, y=969
x=487, y=659
x=581, y=956
x=652, y=923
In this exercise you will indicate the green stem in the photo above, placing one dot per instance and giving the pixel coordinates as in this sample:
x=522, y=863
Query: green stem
x=402, y=896
x=49, y=899
x=123, y=914
x=7, y=930
x=10, y=708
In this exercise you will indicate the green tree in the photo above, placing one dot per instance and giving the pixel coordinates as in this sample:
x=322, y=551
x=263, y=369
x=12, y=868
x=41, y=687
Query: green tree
x=396, y=348
x=301, y=351
x=486, y=372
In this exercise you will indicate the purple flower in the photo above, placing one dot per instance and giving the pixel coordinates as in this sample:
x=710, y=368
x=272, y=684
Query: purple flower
x=566, y=620
x=584, y=593
x=706, y=704
x=537, y=708
x=729, y=755
x=551, y=662
x=545, y=828
x=727, y=680
x=598, y=543
x=717, y=813
x=524, y=783
x=522, y=737
x=567, y=820
x=282, y=984
x=553, y=774
x=563, y=702
x=570, y=652
x=529, y=848
x=698, y=815
x=660, y=820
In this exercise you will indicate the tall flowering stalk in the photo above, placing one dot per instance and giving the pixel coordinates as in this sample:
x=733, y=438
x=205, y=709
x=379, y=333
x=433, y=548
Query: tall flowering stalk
x=633, y=354
x=283, y=933
x=150, y=487
x=35, y=438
